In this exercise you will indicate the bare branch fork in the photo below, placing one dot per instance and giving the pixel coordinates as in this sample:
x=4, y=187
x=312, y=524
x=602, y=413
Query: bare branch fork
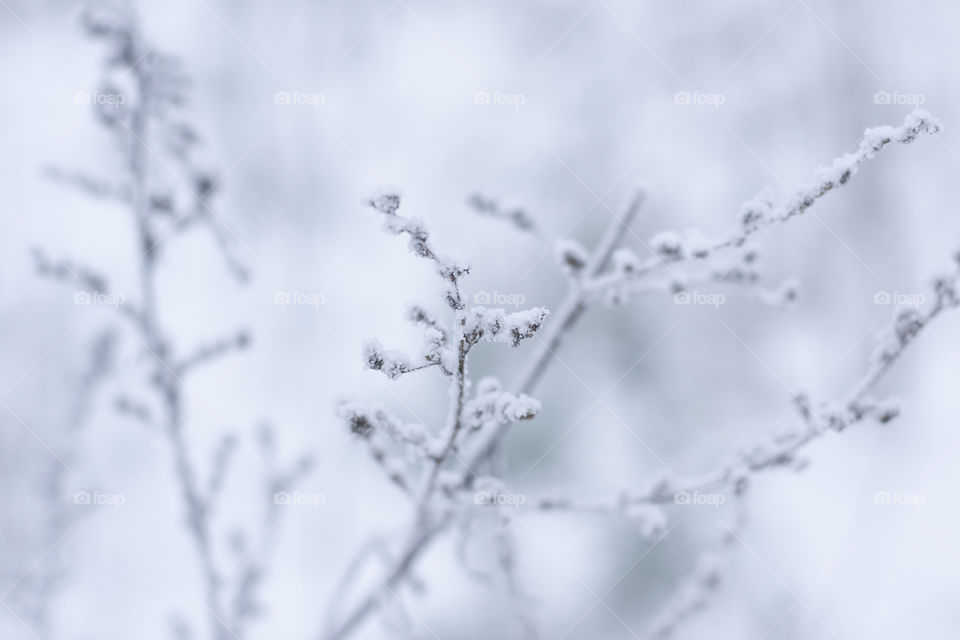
x=450, y=466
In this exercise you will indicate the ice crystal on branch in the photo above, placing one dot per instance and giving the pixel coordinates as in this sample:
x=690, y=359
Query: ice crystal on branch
x=480, y=324
x=392, y=363
x=493, y=406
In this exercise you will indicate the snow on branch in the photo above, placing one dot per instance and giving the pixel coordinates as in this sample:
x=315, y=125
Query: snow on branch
x=365, y=421
x=147, y=121
x=780, y=450
x=66, y=270
x=516, y=215
x=493, y=406
x=420, y=316
x=455, y=484
x=760, y=212
x=447, y=345
x=630, y=276
x=393, y=363
x=480, y=324
x=379, y=428
x=451, y=270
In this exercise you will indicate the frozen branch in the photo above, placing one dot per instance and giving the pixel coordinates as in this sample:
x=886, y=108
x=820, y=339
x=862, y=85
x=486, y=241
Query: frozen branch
x=760, y=212
x=211, y=352
x=450, y=270
x=377, y=427
x=147, y=122
x=93, y=187
x=200, y=215
x=780, y=451
x=449, y=348
x=516, y=215
x=255, y=558
x=133, y=408
x=611, y=273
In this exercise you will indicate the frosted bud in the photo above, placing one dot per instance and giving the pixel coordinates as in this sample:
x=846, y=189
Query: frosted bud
x=571, y=256
x=667, y=244
x=625, y=261
x=386, y=201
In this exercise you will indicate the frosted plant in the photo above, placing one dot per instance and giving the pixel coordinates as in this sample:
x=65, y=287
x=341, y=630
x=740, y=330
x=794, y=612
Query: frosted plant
x=449, y=476
x=168, y=193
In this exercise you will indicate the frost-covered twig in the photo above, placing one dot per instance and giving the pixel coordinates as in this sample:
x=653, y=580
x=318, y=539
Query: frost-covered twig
x=779, y=451
x=630, y=275
x=212, y=352
x=158, y=152
x=610, y=270
x=133, y=126
x=199, y=214
x=567, y=315
x=375, y=547
x=94, y=187
x=760, y=212
x=91, y=282
x=255, y=556
x=692, y=594
x=448, y=348
x=574, y=304
x=515, y=214
x=450, y=269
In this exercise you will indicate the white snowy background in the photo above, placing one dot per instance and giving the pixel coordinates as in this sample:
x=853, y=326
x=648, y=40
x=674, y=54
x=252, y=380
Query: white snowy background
x=650, y=387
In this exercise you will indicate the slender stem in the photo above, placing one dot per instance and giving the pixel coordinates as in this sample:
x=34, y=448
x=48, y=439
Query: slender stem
x=169, y=384
x=418, y=543
x=455, y=425
x=570, y=311
x=565, y=319
x=575, y=303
